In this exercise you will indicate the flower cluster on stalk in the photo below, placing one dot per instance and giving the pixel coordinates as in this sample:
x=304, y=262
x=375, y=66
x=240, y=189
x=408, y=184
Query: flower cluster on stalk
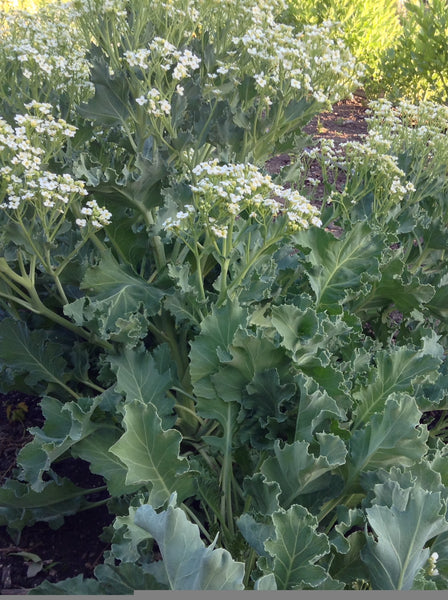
x=24, y=178
x=45, y=50
x=310, y=63
x=222, y=193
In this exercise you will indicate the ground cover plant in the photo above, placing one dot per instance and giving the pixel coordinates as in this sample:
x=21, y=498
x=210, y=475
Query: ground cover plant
x=265, y=401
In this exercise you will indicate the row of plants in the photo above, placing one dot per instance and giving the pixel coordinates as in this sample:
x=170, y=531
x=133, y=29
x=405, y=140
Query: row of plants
x=266, y=402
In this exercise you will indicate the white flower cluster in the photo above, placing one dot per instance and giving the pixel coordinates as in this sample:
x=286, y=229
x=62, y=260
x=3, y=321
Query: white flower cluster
x=419, y=130
x=155, y=104
x=116, y=8
x=162, y=52
x=24, y=179
x=223, y=192
x=163, y=55
x=432, y=561
x=47, y=49
x=310, y=62
x=43, y=122
x=99, y=216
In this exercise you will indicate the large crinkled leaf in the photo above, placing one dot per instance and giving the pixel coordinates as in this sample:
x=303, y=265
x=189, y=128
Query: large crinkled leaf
x=217, y=331
x=396, y=371
x=33, y=355
x=187, y=562
x=391, y=437
x=338, y=269
x=247, y=355
x=139, y=378
x=95, y=450
x=123, y=579
x=77, y=585
x=264, y=408
x=118, y=303
x=402, y=530
x=313, y=339
x=65, y=425
x=396, y=287
x=295, y=549
x=263, y=494
x=151, y=454
x=298, y=472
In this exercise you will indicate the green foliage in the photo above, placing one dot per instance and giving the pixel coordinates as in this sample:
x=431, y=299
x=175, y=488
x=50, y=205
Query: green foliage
x=187, y=563
x=417, y=67
x=197, y=334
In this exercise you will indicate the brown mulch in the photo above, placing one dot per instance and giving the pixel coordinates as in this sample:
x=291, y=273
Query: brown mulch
x=76, y=547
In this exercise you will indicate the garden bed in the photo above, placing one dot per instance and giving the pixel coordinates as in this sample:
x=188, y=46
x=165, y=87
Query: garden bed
x=223, y=332
x=76, y=547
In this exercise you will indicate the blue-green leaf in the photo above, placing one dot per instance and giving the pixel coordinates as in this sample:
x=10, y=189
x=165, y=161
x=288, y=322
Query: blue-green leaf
x=298, y=472
x=151, y=454
x=295, y=549
x=339, y=268
x=187, y=562
x=402, y=530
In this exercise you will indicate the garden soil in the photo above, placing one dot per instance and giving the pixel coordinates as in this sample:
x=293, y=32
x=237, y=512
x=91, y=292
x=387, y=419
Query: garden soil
x=76, y=547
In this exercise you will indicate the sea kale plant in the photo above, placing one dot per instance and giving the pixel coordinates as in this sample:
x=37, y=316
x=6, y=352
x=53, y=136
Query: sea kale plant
x=191, y=328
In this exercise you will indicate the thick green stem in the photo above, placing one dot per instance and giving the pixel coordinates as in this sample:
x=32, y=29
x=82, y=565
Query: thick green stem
x=199, y=273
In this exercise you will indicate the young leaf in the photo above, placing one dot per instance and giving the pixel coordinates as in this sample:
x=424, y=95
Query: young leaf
x=151, y=454
x=255, y=533
x=395, y=372
x=188, y=563
x=226, y=414
x=295, y=549
x=119, y=303
x=315, y=408
x=264, y=408
x=65, y=425
x=337, y=268
x=402, y=531
x=128, y=536
x=264, y=494
x=391, y=437
x=299, y=472
x=139, y=379
x=217, y=331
